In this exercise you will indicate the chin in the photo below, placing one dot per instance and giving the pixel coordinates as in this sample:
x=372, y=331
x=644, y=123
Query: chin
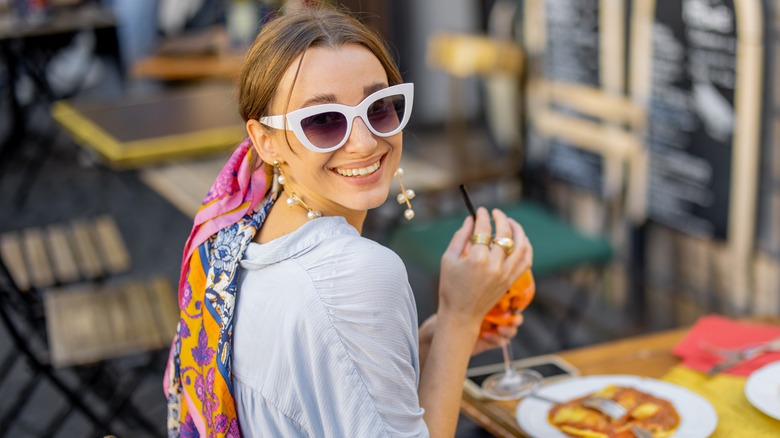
x=368, y=202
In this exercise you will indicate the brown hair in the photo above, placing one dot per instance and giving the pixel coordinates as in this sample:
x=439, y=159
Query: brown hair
x=285, y=38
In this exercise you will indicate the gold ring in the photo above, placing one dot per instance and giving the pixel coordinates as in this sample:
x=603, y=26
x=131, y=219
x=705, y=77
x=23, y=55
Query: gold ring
x=506, y=243
x=480, y=239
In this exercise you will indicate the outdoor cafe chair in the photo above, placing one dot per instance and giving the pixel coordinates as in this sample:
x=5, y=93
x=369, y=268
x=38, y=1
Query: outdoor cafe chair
x=94, y=338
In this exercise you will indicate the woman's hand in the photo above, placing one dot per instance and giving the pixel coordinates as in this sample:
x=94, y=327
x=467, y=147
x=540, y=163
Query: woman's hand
x=489, y=341
x=474, y=276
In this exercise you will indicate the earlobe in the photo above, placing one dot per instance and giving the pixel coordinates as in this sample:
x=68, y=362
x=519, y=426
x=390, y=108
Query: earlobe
x=261, y=140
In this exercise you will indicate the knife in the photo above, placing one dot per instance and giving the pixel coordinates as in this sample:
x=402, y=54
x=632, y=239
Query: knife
x=745, y=355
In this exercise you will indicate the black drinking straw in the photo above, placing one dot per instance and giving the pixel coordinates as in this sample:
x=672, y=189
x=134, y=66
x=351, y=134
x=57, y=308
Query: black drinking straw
x=467, y=198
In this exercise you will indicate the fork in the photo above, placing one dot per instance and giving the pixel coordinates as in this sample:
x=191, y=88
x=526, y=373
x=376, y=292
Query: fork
x=606, y=406
x=733, y=357
x=614, y=410
x=640, y=432
x=738, y=353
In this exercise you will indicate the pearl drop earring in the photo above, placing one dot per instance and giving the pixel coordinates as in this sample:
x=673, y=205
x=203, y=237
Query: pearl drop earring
x=278, y=173
x=278, y=179
x=293, y=199
x=405, y=196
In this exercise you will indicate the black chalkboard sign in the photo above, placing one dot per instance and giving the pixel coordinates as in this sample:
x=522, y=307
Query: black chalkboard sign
x=572, y=52
x=691, y=115
x=572, y=55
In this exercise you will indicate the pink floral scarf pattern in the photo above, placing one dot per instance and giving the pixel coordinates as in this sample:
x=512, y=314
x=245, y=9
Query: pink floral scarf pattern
x=197, y=382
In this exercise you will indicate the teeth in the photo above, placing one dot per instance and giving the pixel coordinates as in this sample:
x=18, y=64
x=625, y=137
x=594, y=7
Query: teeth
x=363, y=171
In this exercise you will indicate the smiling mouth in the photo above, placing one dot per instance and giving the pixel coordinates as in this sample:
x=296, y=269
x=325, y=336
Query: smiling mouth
x=362, y=171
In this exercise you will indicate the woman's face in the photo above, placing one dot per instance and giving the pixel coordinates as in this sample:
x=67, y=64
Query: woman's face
x=347, y=180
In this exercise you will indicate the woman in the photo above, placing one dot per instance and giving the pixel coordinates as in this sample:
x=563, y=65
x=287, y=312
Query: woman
x=323, y=342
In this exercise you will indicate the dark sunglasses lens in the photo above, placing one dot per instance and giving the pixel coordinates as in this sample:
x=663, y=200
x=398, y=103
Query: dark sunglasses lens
x=325, y=130
x=385, y=114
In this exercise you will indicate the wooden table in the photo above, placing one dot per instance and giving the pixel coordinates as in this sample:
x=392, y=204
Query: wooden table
x=199, y=54
x=182, y=68
x=134, y=131
x=648, y=356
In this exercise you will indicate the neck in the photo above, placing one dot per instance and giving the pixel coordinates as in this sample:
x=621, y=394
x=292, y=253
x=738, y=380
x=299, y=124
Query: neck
x=356, y=219
x=283, y=220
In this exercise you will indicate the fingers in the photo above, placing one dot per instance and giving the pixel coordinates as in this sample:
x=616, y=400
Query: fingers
x=460, y=239
x=507, y=332
x=503, y=333
x=503, y=229
x=519, y=260
x=522, y=257
x=482, y=227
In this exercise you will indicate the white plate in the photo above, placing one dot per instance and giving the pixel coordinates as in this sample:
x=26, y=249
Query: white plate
x=762, y=389
x=697, y=416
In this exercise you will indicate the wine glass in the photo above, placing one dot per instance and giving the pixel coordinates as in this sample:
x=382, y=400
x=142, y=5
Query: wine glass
x=512, y=383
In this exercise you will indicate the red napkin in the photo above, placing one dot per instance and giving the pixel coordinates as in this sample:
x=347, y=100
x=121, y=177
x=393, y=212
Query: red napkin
x=721, y=332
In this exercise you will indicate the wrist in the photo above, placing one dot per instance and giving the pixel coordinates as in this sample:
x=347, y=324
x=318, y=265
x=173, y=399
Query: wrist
x=458, y=322
x=459, y=312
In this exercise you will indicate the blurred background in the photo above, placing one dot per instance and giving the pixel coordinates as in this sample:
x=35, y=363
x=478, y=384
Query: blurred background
x=636, y=142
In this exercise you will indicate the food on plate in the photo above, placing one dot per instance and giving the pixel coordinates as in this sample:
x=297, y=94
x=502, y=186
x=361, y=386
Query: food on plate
x=644, y=410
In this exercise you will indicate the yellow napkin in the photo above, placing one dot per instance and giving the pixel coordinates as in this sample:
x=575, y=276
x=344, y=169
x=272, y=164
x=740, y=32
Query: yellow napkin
x=736, y=416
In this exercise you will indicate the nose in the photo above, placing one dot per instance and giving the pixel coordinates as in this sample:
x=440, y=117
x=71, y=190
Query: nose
x=361, y=139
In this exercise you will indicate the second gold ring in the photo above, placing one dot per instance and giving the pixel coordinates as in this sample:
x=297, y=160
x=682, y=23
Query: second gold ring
x=506, y=243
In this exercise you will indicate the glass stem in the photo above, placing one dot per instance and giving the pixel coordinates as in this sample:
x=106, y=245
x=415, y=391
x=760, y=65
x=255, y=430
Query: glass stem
x=507, y=357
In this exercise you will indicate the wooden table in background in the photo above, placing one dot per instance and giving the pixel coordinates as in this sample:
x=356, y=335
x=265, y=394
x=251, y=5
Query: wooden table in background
x=183, y=68
x=649, y=356
x=140, y=130
x=194, y=55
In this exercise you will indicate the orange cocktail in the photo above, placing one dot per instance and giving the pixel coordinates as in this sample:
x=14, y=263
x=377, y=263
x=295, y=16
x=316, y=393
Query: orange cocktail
x=514, y=301
x=512, y=383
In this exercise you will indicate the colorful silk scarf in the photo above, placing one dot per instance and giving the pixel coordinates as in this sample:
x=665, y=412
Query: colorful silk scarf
x=197, y=381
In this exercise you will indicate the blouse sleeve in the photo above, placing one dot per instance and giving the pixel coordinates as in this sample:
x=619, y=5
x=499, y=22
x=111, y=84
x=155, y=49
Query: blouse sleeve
x=371, y=307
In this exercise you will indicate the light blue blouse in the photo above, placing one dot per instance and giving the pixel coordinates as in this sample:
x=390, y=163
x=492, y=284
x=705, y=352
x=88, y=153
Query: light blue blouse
x=325, y=338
